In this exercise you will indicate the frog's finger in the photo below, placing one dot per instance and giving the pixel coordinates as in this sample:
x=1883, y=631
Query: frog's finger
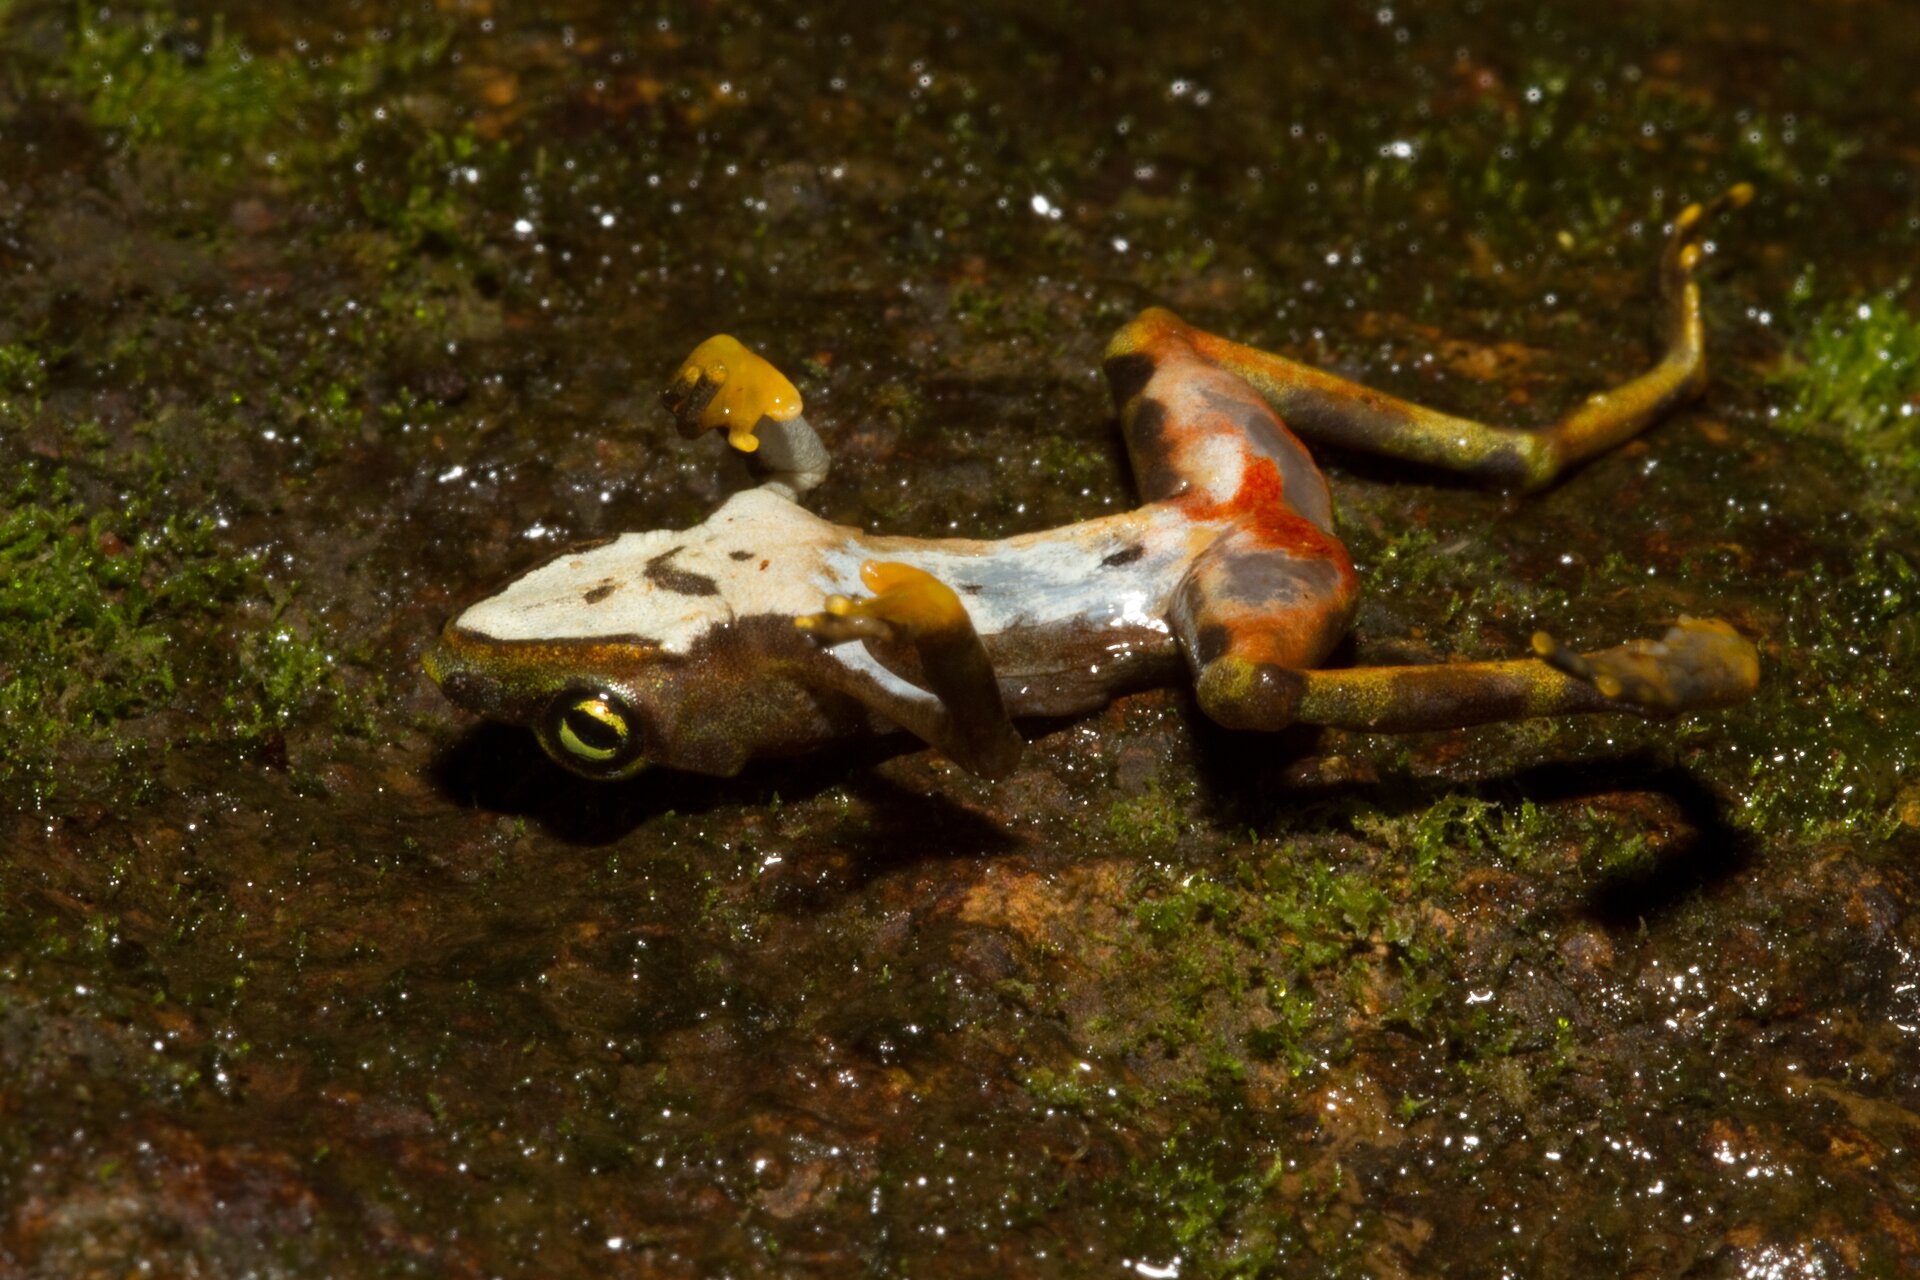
x=842, y=620
x=907, y=604
x=1701, y=662
x=722, y=384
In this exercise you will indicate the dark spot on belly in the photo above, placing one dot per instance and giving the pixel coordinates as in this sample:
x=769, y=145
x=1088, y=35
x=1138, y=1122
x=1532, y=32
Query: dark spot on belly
x=605, y=588
x=1126, y=555
x=679, y=581
x=972, y=588
x=739, y=555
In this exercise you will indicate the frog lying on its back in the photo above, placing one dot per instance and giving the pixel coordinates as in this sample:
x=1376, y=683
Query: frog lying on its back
x=706, y=647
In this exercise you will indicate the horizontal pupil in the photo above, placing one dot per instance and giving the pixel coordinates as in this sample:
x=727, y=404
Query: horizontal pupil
x=594, y=733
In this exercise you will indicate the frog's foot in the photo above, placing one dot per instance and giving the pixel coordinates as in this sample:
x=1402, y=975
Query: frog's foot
x=1680, y=326
x=914, y=623
x=1684, y=246
x=722, y=385
x=1701, y=662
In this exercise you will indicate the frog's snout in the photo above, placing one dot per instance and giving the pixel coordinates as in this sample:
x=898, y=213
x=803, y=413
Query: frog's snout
x=434, y=663
x=463, y=686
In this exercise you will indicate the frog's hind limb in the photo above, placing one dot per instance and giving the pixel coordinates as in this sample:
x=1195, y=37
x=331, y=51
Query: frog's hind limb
x=924, y=667
x=1698, y=664
x=1274, y=589
x=1323, y=407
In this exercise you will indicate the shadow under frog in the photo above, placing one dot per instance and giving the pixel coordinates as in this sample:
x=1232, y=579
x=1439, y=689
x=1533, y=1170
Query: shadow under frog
x=767, y=631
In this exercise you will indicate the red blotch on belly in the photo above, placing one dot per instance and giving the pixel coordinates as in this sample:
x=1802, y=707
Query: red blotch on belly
x=1260, y=507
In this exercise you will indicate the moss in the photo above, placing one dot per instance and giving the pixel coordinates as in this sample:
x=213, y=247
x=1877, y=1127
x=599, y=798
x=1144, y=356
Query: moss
x=22, y=369
x=428, y=210
x=108, y=617
x=1838, y=717
x=1253, y=968
x=1407, y=569
x=1060, y=1089
x=1223, y=1211
x=167, y=80
x=1855, y=379
x=1149, y=823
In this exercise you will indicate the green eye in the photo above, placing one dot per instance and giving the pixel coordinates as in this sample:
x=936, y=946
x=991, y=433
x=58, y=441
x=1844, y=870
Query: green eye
x=595, y=732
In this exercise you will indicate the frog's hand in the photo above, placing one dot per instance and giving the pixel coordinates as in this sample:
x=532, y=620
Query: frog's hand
x=1321, y=406
x=915, y=622
x=1697, y=665
x=721, y=385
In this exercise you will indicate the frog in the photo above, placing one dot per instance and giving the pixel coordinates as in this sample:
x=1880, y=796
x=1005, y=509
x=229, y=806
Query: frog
x=767, y=631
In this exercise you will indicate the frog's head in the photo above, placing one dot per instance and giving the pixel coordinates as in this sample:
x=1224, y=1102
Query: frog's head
x=611, y=655
x=587, y=703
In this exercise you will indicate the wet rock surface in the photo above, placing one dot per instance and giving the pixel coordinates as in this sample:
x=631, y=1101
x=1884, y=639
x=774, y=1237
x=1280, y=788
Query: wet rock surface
x=317, y=322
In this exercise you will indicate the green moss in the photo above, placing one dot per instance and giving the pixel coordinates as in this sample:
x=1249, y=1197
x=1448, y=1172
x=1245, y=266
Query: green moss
x=1074, y=465
x=1223, y=1211
x=1149, y=823
x=428, y=210
x=1855, y=379
x=1253, y=968
x=167, y=80
x=1838, y=713
x=1406, y=569
x=1266, y=965
x=146, y=83
x=22, y=369
x=1060, y=1089
x=109, y=617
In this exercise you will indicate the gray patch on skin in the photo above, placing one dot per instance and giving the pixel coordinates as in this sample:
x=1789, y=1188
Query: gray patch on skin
x=1272, y=579
x=679, y=581
x=1124, y=556
x=1145, y=429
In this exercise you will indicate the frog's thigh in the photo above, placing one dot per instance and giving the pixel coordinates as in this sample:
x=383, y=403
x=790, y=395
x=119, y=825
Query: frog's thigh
x=1251, y=613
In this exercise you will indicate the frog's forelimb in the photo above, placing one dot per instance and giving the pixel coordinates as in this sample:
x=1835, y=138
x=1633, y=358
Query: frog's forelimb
x=915, y=626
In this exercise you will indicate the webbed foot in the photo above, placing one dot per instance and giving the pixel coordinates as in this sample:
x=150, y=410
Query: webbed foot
x=1701, y=662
